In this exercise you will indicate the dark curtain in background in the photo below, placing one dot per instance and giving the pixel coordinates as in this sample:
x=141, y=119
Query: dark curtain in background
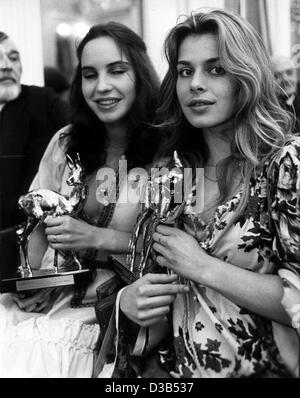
x=64, y=56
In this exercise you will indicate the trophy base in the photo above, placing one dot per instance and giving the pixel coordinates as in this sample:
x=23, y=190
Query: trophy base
x=44, y=278
x=118, y=263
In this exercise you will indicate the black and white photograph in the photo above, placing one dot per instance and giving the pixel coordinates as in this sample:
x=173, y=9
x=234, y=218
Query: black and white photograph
x=149, y=191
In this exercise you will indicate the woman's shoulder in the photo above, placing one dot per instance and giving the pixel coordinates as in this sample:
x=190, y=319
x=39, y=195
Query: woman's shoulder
x=284, y=196
x=285, y=161
x=57, y=146
x=290, y=151
x=62, y=136
x=53, y=162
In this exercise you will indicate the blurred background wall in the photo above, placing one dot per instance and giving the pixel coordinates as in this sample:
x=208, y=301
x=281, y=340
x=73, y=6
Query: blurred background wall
x=47, y=31
x=21, y=19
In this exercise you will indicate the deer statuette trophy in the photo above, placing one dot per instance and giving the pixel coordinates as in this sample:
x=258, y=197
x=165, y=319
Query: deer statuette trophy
x=40, y=203
x=160, y=206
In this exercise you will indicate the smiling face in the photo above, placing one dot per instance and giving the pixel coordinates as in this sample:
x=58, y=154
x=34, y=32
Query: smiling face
x=206, y=92
x=108, y=80
x=10, y=71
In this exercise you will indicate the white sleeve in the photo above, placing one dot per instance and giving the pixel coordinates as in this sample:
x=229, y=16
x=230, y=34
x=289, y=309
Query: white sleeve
x=52, y=164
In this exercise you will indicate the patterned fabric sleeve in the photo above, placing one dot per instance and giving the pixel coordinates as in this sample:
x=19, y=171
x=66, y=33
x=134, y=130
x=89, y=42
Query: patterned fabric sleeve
x=284, y=190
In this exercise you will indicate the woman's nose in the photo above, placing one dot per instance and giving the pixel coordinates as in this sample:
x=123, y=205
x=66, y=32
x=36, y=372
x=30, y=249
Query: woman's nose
x=104, y=83
x=198, y=82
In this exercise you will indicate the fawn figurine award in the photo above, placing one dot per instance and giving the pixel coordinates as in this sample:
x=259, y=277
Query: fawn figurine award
x=37, y=205
x=163, y=204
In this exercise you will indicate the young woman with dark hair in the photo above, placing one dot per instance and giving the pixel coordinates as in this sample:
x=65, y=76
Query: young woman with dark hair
x=89, y=132
x=53, y=332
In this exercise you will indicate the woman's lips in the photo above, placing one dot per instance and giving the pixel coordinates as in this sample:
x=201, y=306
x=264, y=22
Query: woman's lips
x=197, y=103
x=107, y=103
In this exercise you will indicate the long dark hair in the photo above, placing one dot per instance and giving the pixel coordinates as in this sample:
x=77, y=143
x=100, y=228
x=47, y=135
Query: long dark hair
x=88, y=134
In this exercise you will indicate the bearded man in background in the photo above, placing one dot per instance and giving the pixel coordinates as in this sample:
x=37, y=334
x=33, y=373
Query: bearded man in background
x=29, y=116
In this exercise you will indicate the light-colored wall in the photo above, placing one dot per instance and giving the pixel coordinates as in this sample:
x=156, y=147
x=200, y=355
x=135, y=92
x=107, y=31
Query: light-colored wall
x=21, y=20
x=280, y=26
x=160, y=16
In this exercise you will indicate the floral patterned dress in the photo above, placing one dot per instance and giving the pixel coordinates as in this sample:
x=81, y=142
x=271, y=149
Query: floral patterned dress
x=212, y=336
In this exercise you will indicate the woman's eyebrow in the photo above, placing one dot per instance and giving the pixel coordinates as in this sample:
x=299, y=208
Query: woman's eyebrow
x=117, y=63
x=85, y=68
x=212, y=60
x=112, y=64
x=208, y=61
x=184, y=63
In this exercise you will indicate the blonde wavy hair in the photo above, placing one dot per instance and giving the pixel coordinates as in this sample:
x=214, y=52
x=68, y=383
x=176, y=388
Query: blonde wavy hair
x=261, y=126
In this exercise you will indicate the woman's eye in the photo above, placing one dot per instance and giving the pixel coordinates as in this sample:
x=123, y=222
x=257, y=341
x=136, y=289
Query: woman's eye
x=88, y=76
x=184, y=72
x=217, y=70
x=118, y=71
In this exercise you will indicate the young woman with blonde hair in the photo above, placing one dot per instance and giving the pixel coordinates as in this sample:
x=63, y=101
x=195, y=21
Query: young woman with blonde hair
x=218, y=108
